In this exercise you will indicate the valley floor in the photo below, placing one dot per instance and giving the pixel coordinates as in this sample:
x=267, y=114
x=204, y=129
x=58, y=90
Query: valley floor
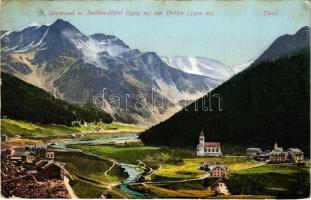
x=128, y=169
x=175, y=173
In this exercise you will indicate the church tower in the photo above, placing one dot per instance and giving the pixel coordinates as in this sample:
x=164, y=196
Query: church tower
x=201, y=145
x=202, y=138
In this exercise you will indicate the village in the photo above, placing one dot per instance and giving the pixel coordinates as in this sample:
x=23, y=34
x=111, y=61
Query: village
x=219, y=170
x=31, y=171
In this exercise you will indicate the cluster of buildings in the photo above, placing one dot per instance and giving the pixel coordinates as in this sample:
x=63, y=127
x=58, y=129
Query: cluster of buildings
x=211, y=149
x=216, y=170
x=31, y=172
x=277, y=155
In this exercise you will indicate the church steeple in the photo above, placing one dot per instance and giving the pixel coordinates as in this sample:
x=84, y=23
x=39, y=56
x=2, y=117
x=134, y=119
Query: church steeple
x=201, y=134
x=202, y=138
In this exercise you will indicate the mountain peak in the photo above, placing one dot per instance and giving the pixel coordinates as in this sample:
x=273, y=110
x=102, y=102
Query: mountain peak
x=286, y=44
x=60, y=21
x=34, y=23
x=60, y=24
x=304, y=31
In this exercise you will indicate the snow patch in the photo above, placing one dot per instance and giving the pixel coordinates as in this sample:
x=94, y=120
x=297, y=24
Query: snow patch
x=91, y=48
x=174, y=95
x=6, y=33
x=32, y=45
x=200, y=66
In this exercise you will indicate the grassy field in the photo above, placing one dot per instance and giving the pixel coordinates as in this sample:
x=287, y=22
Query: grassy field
x=175, y=163
x=90, y=180
x=26, y=129
x=90, y=167
x=285, y=168
x=189, y=168
x=176, y=193
x=86, y=190
x=131, y=153
x=279, y=180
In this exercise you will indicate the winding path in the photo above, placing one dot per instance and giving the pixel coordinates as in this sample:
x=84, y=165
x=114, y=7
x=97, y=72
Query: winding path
x=112, y=166
x=69, y=188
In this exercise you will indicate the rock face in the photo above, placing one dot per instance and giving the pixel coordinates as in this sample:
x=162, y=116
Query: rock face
x=75, y=67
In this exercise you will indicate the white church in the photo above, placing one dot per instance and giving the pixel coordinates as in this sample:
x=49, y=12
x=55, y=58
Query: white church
x=208, y=148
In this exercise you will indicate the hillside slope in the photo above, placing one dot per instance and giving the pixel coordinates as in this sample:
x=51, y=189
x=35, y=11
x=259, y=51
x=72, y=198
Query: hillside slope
x=24, y=101
x=267, y=103
x=286, y=44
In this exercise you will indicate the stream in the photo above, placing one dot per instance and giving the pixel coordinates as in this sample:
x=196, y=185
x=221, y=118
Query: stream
x=133, y=171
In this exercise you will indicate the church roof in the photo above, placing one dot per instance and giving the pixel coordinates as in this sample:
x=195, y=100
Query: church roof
x=212, y=144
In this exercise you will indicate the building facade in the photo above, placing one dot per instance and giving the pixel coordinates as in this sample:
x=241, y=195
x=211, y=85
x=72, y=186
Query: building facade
x=218, y=171
x=297, y=155
x=29, y=157
x=253, y=152
x=208, y=148
x=50, y=154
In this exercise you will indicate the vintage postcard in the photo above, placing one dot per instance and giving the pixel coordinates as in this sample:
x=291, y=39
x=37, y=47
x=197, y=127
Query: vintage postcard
x=155, y=99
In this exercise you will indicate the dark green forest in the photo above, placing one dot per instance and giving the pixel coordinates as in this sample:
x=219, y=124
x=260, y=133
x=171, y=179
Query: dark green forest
x=266, y=103
x=23, y=101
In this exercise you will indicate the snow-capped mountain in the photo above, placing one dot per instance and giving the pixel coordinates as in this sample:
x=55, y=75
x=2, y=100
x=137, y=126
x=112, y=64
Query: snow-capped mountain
x=200, y=66
x=75, y=67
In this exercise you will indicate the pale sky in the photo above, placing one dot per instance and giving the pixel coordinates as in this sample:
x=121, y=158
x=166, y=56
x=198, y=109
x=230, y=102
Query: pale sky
x=237, y=32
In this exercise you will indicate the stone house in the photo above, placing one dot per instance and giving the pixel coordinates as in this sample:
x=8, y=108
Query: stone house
x=50, y=154
x=39, y=149
x=296, y=154
x=17, y=153
x=29, y=157
x=253, y=152
x=218, y=171
x=278, y=157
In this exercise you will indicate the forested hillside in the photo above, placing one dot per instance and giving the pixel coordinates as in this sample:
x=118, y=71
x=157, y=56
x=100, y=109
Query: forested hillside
x=24, y=101
x=267, y=103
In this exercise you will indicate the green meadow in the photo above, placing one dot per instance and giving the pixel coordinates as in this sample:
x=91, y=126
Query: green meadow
x=27, y=129
x=90, y=179
x=132, y=153
x=281, y=180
